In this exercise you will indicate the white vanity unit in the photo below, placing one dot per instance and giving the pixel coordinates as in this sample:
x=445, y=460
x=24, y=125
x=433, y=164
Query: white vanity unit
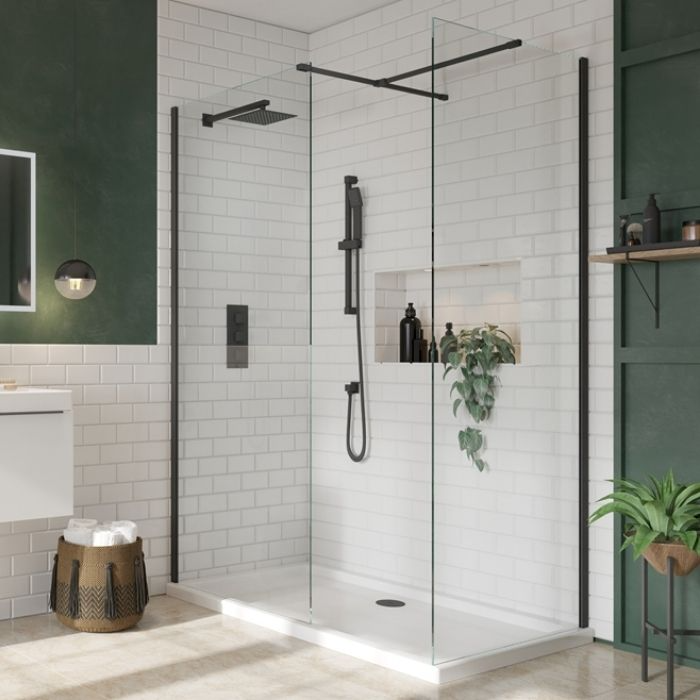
x=36, y=454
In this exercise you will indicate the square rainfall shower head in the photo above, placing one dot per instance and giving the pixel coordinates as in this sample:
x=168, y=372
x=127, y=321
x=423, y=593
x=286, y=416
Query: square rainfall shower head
x=262, y=116
x=253, y=113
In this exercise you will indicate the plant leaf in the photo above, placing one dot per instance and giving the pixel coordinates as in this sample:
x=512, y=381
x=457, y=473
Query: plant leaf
x=642, y=539
x=474, y=410
x=658, y=519
x=689, y=539
x=617, y=507
x=643, y=491
x=688, y=494
x=481, y=387
x=455, y=406
x=633, y=505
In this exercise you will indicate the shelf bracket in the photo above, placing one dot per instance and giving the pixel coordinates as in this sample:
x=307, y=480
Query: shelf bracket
x=655, y=301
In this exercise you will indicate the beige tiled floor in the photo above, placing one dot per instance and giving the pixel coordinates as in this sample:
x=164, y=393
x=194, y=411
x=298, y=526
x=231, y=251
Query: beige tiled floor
x=181, y=651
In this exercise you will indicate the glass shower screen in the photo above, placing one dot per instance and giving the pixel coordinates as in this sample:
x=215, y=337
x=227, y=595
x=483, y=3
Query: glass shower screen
x=244, y=336
x=506, y=254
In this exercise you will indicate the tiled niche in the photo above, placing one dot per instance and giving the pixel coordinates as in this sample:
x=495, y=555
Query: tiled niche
x=466, y=295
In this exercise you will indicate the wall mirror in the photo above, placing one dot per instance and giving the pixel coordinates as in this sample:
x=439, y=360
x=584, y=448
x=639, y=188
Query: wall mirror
x=17, y=230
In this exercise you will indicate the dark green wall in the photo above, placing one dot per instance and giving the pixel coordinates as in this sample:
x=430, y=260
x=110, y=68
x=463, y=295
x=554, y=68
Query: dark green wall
x=96, y=146
x=657, y=370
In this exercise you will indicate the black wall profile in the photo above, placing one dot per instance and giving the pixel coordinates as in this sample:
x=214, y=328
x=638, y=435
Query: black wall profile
x=583, y=359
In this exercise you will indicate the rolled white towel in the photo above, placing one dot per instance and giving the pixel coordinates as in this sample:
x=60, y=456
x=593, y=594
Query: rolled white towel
x=126, y=528
x=103, y=536
x=78, y=535
x=83, y=523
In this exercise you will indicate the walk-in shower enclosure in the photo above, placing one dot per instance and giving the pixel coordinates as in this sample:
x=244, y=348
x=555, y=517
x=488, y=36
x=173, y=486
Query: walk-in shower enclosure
x=472, y=212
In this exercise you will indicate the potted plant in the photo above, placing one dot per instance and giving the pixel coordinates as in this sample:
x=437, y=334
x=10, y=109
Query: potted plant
x=474, y=356
x=659, y=521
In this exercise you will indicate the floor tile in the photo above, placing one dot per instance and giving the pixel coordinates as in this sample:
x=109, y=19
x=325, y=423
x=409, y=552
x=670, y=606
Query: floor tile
x=182, y=652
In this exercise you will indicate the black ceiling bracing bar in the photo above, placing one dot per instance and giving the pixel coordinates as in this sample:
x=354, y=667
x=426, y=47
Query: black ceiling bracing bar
x=513, y=44
x=389, y=82
x=308, y=68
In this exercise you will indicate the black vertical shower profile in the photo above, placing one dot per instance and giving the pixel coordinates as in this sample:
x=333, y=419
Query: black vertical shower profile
x=583, y=359
x=174, y=341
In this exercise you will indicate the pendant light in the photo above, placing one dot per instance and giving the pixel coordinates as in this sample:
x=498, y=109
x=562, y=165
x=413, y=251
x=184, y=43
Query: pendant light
x=75, y=278
x=24, y=286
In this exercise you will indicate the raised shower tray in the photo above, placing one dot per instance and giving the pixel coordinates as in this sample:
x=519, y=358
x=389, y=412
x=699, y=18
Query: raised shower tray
x=401, y=660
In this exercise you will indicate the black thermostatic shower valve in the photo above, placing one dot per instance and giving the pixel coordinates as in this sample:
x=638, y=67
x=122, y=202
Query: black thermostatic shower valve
x=236, y=336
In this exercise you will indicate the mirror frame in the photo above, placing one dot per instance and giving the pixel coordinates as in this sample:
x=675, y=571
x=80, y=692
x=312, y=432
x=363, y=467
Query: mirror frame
x=32, y=226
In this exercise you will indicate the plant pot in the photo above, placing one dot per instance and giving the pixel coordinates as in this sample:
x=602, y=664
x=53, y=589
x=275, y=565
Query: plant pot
x=684, y=559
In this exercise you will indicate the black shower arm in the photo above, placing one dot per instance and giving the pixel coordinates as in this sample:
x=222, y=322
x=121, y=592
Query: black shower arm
x=211, y=119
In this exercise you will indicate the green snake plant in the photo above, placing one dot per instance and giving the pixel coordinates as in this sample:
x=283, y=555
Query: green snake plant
x=664, y=511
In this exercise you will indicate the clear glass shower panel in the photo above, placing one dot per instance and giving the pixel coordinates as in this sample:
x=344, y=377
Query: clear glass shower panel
x=506, y=254
x=244, y=344
x=371, y=519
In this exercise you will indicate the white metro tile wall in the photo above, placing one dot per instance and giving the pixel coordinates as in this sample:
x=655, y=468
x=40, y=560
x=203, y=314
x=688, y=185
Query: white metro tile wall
x=508, y=536
x=121, y=393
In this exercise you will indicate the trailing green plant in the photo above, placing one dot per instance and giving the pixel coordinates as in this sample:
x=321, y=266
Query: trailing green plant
x=474, y=355
x=666, y=511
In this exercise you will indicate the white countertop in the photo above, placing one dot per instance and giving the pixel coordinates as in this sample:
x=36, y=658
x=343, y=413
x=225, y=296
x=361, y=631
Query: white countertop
x=33, y=400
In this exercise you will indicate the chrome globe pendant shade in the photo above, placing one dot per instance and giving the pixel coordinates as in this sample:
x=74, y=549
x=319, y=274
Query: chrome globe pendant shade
x=24, y=286
x=75, y=278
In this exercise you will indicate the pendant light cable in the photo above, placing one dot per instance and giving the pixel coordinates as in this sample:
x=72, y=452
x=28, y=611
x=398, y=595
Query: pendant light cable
x=75, y=279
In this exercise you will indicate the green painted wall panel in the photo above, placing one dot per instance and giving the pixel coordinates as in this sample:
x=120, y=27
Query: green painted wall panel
x=662, y=104
x=657, y=370
x=649, y=21
x=679, y=288
x=92, y=123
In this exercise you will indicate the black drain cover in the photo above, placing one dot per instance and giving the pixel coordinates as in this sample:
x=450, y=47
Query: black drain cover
x=390, y=603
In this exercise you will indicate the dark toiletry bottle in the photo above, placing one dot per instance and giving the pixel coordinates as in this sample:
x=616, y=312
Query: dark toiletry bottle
x=652, y=222
x=420, y=348
x=433, y=352
x=445, y=344
x=409, y=329
x=423, y=348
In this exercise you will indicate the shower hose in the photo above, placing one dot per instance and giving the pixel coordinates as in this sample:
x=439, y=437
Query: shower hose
x=353, y=388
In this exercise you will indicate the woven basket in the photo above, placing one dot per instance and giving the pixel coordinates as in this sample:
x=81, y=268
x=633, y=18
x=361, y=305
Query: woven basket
x=99, y=589
x=684, y=559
